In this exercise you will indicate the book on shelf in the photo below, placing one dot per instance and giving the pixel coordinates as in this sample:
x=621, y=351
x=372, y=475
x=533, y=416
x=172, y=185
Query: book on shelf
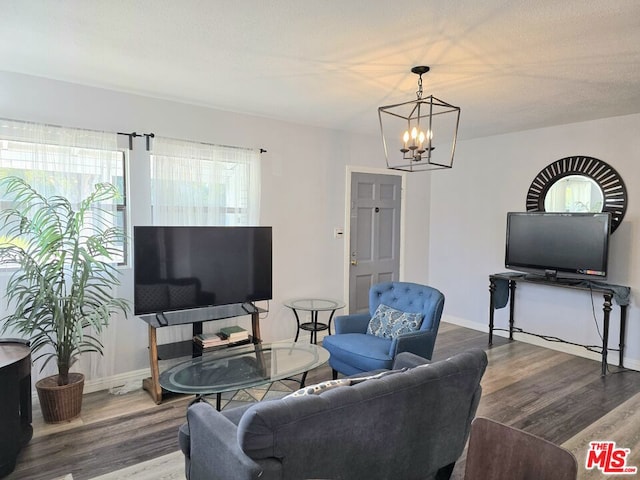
x=234, y=333
x=206, y=340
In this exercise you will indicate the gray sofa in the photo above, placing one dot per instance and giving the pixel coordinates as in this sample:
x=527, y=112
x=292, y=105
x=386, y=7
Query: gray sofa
x=411, y=423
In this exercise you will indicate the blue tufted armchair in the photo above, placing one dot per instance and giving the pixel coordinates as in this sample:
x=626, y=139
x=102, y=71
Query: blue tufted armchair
x=353, y=350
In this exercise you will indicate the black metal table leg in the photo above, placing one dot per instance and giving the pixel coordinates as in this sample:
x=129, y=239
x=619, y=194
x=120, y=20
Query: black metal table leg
x=333, y=312
x=297, y=323
x=606, y=307
x=623, y=329
x=314, y=320
x=492, y=290
x=512, y=306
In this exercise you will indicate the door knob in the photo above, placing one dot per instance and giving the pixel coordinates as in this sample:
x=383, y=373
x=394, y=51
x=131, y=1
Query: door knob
x=354, y=262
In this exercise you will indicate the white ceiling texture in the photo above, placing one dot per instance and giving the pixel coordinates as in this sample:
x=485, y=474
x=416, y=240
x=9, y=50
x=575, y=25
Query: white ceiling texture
x=509, y=64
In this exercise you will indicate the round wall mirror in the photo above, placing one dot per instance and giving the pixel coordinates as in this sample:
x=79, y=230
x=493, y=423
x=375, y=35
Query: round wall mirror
x=579, y=184
x=574, y=193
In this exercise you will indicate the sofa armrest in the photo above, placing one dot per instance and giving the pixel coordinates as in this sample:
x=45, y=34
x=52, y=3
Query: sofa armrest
x=408, y=360
x=214, y=450
x=355, y=323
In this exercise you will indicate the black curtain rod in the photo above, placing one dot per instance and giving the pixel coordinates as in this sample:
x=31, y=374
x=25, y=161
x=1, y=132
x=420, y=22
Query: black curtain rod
x=135, y=134
x=150, y=136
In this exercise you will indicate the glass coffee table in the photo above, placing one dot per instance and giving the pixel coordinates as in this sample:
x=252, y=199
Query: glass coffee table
x=236, y=368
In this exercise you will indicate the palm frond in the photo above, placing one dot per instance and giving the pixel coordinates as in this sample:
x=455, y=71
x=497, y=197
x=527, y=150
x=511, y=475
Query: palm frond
x=64, y=283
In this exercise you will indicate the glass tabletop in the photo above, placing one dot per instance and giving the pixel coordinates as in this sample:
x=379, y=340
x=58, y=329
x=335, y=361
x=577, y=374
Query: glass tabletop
x=314, y=304
x=236, y=368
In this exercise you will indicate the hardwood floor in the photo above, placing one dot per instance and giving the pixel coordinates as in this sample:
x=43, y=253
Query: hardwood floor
x=557, y=396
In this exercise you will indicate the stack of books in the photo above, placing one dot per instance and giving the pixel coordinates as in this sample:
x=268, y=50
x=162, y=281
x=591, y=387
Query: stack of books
x=207, y=340
x=234, y=333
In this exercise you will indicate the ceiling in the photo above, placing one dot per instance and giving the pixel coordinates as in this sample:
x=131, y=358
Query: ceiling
x=509, y=64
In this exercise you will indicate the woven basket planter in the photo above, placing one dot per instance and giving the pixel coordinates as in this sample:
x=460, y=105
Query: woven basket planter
x=60, y=403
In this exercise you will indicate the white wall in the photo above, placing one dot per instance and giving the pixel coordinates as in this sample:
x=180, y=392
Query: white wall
x=455, y=219
x=303, y=188
x=468, y=219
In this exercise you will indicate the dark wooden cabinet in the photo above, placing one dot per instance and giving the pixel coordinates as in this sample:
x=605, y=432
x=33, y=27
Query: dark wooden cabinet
x=15, y=401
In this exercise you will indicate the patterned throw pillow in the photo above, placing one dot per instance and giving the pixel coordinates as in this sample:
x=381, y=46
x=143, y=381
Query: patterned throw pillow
x=330, y=384
x=320, y=387
x=388, y=322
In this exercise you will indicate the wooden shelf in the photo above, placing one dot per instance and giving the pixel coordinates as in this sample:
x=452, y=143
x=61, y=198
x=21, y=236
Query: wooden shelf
x=188, y=348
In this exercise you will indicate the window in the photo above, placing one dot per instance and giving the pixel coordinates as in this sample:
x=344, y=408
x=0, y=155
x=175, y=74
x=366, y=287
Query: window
x=67, y=162
x=202, y=184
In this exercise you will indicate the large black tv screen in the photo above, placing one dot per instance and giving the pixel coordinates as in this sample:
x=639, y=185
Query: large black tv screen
x=177, y=268
x=574, y=245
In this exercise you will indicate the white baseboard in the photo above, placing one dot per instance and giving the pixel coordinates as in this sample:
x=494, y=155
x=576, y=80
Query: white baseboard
x=115, y=381
x=127, y=381
x=612, y=358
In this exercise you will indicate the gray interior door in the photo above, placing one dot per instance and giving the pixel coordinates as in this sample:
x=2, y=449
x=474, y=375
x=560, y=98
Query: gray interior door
x=375, y=235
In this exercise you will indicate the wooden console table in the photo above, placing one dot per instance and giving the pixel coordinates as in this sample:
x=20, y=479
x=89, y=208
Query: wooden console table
x=508, y=281
x=185, y=348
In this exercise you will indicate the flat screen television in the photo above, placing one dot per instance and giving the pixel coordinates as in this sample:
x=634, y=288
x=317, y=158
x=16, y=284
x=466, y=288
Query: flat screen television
x=179, y=268
x=558, y=245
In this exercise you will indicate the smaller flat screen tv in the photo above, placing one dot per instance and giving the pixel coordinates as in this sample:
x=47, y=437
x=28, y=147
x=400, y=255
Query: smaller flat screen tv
x=180, y=268
x=558, y=245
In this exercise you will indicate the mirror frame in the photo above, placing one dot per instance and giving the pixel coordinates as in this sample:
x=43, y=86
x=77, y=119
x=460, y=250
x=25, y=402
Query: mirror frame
x=605, y=176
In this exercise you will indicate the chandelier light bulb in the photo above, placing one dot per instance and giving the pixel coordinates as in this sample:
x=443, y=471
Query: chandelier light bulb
x=405, y=140
x=414, y=137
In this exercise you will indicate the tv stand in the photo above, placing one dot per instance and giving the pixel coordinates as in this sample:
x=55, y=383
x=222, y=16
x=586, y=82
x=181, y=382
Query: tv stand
x=195, y=318
x=608, y=291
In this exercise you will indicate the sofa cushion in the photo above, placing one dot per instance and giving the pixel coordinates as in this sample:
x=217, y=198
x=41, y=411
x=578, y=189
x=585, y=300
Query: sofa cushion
x=364, y=352
x=388, y=322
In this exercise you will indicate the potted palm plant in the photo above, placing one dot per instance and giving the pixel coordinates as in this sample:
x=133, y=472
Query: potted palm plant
x=61, y=293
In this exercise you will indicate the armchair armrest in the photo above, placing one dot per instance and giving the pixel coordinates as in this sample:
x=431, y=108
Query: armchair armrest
x=214, y=450
x=355, y=323
x=420, y=343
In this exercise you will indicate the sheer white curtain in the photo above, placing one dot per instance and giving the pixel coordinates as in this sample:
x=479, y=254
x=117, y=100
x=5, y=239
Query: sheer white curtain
x=198, y=184
x=58, y=160
x=201, y=184
x=68, y=162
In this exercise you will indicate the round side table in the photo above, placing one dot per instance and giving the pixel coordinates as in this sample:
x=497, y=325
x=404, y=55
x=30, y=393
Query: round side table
x=313, y=305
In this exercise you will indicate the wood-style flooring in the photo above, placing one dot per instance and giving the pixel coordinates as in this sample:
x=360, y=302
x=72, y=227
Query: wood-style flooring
x=557, y=396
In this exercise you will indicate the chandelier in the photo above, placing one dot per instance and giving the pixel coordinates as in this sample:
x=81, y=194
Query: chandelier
x=422, y=132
